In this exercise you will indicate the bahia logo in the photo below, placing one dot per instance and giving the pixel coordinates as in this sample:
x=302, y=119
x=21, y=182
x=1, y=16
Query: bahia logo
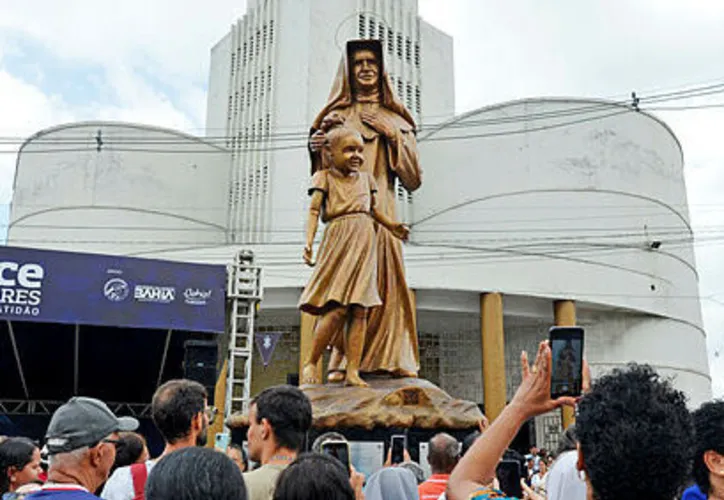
x=158, y=294
x=196, y=297
x=116, y=290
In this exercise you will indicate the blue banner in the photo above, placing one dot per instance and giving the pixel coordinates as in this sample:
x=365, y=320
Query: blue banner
x=89, y=289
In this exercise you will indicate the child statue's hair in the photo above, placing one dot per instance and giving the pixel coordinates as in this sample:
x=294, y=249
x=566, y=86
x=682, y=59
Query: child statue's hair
x=337, y=133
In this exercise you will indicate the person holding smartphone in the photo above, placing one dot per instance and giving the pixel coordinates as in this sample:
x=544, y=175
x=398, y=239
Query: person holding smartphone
x=619, y=430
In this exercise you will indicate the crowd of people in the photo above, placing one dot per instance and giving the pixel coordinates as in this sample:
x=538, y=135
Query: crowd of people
x=634, y=438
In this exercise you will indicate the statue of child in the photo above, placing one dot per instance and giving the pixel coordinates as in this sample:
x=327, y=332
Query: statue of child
x=344, y=283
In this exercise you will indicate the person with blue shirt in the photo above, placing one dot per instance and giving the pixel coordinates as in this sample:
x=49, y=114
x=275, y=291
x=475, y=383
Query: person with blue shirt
x=693, y=493
x=709, y=450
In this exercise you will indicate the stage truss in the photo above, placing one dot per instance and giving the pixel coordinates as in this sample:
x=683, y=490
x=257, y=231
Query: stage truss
x=48, y=407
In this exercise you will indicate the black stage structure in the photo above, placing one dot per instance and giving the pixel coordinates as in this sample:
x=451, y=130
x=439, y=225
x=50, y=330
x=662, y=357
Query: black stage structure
x=109, y=327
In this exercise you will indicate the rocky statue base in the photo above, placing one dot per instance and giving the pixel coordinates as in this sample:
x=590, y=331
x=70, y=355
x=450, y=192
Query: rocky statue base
x=387, y=402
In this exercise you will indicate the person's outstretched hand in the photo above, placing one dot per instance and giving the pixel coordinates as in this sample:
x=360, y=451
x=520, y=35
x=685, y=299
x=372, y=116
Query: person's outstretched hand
x=533, y=396
x=405, y=458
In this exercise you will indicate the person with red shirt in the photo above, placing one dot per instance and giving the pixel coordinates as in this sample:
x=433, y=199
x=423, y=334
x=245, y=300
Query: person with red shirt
x=443, y=456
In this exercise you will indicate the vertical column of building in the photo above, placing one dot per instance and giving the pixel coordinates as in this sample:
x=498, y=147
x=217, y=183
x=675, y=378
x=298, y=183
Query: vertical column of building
x=494, y=383
x=241, y=124
x=261, y=146
x=230, y=132
x=236, y=90
x=253, y=156
x=269, y=119
x=249, y=128
x=245, y=89
x=257, y=121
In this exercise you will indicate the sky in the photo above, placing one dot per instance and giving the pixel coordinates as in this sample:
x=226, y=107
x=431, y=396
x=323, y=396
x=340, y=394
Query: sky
x=147, y=61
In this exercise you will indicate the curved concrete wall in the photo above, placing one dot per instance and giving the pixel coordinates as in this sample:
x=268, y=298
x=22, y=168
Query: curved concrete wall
x=147, y=188
x=566, y=199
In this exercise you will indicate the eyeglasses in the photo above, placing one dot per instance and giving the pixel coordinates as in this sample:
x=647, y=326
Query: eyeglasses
x=211, y=412
x=114, y=442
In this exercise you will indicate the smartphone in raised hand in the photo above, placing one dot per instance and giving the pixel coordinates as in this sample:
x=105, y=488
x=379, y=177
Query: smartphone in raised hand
x=566, y=344
x=338, y=450
x=221, y=441
x=509, y=475
x=398, y=443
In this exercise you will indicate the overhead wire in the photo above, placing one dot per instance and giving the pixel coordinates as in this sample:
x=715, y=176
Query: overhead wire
x=446, y=243
x=455, y=123
x=674, y=95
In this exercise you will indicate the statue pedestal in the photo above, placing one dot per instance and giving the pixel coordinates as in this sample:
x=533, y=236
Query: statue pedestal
x=414, y=407
x=388, y=402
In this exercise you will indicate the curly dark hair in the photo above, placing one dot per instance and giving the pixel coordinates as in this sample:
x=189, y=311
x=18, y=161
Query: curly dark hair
x=708, y=435
x=636, y=436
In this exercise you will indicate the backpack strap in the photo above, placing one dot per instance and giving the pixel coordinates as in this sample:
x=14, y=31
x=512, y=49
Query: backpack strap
x=139, y=474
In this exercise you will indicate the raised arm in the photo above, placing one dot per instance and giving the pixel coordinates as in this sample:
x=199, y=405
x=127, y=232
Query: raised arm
x=476, y=469
x=315, y=208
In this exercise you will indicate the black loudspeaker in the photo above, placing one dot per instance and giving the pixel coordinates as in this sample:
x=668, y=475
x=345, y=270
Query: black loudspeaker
x=293, y=379
x=200, y=359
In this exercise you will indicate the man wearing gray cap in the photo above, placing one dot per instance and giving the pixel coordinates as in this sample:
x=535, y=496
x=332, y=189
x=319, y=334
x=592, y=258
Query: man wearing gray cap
x=81, y=441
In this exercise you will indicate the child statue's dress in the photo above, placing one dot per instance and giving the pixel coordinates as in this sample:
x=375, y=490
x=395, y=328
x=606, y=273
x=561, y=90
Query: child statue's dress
x=346, y=268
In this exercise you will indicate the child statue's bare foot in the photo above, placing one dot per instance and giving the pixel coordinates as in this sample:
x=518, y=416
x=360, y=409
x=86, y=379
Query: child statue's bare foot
x=335, y=376
x=402, y=373
x=309, y=374
x=354, y=379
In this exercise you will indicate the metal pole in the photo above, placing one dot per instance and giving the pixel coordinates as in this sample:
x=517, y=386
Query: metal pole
x=76, y=360
x=163, y=358
x=17, y=359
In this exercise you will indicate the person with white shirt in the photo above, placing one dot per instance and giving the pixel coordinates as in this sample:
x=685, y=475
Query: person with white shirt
x=180, y=412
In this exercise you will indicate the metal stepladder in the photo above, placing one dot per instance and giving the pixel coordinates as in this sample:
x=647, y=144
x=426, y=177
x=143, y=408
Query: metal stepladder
x=244, y=292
